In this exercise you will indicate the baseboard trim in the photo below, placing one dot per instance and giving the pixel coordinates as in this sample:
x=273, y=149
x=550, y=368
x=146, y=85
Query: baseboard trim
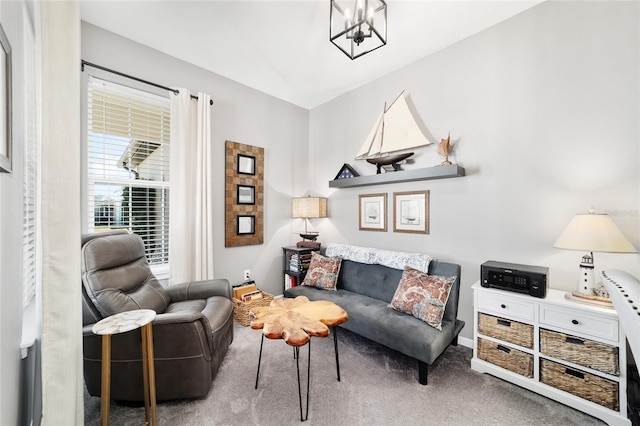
x=464, y=341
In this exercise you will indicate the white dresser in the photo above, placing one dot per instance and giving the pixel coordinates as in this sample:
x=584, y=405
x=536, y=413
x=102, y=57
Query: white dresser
x=568, y=351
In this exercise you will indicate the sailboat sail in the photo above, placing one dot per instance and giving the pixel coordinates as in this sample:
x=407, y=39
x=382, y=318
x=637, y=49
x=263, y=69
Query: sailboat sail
x=373, y=141
x=395, y=130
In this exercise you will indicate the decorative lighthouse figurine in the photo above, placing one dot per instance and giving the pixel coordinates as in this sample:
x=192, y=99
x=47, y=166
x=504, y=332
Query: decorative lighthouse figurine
x=586, y=282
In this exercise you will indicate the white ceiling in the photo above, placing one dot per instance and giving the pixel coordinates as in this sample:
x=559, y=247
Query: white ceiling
x=282, y=47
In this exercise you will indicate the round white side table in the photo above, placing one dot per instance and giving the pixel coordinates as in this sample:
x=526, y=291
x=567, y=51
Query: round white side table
x=121, y=323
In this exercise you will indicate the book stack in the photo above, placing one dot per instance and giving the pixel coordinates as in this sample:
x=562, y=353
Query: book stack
x=299, y=262
x=247, y=292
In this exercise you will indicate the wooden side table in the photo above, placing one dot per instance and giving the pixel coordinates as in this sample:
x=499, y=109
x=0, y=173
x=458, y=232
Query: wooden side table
x=121, y=323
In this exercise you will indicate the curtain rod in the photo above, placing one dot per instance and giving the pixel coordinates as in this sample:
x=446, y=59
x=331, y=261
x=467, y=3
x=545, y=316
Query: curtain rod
x=100, y=67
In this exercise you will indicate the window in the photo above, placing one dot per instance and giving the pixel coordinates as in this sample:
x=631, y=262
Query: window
x=128, y=164
x=31, y=167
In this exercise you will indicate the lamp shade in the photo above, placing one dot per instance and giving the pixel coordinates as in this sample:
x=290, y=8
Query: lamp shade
x=594, y=232
x=309, y=207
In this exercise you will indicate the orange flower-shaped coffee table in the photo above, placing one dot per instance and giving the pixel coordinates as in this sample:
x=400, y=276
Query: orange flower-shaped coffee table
x=295, y=321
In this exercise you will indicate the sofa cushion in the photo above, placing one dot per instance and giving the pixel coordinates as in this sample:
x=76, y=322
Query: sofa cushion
x=377, y=281
x=423, y=296
x=323, y=272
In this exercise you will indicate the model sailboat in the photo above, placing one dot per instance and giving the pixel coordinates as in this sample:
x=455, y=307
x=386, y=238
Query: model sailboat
x=394, y=132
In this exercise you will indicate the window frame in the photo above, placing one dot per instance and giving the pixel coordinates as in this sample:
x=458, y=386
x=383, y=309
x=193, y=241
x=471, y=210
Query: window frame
x=160, y=270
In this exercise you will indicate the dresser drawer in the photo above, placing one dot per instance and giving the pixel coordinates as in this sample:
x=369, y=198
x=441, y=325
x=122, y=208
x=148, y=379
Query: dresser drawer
x=511, y=307
x=508, y=330
x=506, y=357
x=579, y=322
x=585, y=352
x=593, y=388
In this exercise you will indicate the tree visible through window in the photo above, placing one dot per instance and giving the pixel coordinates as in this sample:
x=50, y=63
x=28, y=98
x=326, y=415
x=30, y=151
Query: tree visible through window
x=128, y=164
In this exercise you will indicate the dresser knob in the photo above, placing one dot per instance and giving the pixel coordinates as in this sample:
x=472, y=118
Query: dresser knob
x=576, y=322
x=503, y=306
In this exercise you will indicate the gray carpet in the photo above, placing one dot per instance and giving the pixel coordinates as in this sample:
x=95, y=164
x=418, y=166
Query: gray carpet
x=378, y=387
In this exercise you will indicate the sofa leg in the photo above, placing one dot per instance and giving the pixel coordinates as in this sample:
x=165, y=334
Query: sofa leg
x=423, y=369
x=455, y=341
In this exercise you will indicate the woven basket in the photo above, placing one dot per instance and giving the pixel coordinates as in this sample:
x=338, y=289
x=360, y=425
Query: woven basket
x=587, y=386
x=502, y=329
x=511, y=359
x=241, y=309
x=577, y=350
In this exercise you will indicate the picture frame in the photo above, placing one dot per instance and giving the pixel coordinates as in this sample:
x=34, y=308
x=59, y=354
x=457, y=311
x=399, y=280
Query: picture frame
x=245, y=194
x=372, y=212
x=5, y=104
x=246, y=164
x=411, y=212
x=245, y=224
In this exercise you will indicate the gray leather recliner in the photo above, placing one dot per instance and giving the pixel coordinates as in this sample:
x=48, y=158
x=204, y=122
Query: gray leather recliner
x=192, y=330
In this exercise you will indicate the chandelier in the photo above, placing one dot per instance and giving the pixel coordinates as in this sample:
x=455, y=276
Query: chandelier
x=358, y=27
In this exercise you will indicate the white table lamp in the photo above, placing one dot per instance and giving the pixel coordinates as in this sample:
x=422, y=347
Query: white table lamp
x=592, y=232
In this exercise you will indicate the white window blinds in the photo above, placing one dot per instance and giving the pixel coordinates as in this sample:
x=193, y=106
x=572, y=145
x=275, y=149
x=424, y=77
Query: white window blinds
x=128, y=164
x=30, y=213
x=31, y=167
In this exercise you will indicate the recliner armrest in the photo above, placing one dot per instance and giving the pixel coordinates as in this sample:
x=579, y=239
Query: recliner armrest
x=161, y=319
x=200, y=290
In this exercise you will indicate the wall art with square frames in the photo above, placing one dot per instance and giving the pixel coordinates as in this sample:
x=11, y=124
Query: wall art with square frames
x=244, y=194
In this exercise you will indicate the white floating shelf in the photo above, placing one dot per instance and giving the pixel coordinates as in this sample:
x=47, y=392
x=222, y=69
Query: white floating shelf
x=436, y=172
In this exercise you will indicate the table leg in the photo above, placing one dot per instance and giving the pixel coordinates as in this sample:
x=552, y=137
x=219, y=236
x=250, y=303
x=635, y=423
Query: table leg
x=149, y=375
x=335, y=347
x=259, y=359
x=105, y=385
x=297, y=350
x=145, y=376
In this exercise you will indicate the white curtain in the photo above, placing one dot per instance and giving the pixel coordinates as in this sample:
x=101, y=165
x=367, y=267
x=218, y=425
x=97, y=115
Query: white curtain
x=60, y=310
x=191, y=189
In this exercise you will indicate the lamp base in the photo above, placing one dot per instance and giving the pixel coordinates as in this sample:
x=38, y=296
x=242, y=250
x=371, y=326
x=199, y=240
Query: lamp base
x=586, y=282
x=308, y=244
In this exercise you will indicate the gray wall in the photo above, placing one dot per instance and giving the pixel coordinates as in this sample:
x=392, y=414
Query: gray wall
x=240, y=114
x=16, y=23
x=543, y=113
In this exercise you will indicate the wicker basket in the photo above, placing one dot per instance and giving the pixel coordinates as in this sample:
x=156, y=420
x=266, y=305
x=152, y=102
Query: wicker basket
x=502, y=329
x=593, y=388
x=241, y=309
x=595, y=355
x=511, y=359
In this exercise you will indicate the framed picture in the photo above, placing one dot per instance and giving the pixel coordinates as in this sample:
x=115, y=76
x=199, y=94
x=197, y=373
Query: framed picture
x=5, y=103
x=246, y=225
x=411, y=212
x=246, y=164
x=373, y=212
x=246, y=194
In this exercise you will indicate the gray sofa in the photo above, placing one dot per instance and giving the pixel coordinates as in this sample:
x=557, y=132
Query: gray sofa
x=365, y=290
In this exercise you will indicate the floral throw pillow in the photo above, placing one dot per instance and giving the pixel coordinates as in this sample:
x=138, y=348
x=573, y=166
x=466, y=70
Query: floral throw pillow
x=423, y=296
x=323, y=272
